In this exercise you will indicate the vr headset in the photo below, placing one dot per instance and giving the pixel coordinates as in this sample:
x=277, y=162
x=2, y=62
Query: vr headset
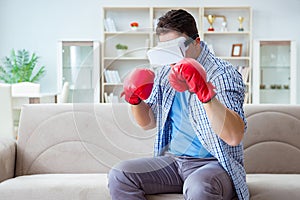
x=169, y=52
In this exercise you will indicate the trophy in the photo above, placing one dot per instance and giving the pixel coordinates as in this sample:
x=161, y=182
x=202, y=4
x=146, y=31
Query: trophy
x=241, y=19
x=224, y=26
x=211, y=19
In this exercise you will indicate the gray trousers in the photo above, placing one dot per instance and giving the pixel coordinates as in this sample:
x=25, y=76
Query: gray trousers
x=196, y=178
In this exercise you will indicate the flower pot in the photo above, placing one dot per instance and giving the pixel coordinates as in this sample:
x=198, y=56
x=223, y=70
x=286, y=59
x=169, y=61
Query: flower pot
x=134, y=28
x=121, y=52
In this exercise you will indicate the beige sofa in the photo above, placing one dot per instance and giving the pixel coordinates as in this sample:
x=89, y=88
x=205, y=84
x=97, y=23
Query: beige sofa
x=65, y=151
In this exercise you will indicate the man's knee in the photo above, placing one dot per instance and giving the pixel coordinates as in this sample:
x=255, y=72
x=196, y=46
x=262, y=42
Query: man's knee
x=214, y=186
x=116, y=175
x=203, y=188
x=197, y=190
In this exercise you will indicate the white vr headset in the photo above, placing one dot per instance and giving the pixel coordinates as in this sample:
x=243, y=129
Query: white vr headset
x=169, y=52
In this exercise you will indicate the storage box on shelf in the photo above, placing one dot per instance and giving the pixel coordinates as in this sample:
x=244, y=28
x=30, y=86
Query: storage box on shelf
x=118, y=30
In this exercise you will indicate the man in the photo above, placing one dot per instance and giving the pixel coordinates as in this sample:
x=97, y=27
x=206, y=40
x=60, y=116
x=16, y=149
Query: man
x=197, y=107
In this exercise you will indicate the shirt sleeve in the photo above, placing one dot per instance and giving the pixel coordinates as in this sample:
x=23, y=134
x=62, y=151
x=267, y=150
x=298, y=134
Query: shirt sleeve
x=160, y=91
x=231, y=92
x=152, y=101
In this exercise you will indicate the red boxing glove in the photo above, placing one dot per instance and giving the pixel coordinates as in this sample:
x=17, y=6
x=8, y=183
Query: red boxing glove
x=188, y=74
x=138, y=85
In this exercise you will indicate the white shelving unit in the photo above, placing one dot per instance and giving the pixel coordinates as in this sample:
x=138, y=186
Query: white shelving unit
x=226, y=33
x=140, y=40
x=79, y=64
x=274, y=72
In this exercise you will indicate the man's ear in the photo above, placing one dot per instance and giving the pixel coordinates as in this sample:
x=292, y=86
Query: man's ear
x=198, y=40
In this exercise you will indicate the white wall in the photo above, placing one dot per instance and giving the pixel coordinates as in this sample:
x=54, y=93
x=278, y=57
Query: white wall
x=37, y=25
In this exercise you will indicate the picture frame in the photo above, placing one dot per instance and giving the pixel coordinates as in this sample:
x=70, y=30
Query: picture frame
x=236, y=50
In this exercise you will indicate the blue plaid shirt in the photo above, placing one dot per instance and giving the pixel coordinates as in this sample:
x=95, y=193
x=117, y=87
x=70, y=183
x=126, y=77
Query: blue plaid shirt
x=230, y=91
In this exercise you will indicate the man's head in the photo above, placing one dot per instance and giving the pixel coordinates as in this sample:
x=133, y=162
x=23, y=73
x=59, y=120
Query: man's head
x=177, y=20
x=178, y=23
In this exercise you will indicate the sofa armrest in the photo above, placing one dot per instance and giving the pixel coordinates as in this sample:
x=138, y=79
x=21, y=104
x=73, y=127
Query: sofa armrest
x=7, y=158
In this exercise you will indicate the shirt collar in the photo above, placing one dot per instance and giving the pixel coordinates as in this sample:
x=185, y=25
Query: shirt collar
x=205, y=57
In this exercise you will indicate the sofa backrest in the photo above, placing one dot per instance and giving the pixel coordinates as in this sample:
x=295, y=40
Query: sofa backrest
x=78, y=138
x=272, y=140
x=91, y=138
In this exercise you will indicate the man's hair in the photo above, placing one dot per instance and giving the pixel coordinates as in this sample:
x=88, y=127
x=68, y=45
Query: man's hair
x=177, y=20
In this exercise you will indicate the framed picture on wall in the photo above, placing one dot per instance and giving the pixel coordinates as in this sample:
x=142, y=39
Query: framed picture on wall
x=236, y=50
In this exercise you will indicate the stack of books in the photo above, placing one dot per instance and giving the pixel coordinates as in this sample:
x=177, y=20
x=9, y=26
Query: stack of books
x=109, y=25
x=110, y=98
x=244, y=71
x=112, y=76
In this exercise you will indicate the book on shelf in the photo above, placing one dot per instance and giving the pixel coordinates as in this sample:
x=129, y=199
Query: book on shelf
x=109, y=25
x=110, y=98
x=105, y=97
x=244, y=71
x=246, y=99
x=112, y=76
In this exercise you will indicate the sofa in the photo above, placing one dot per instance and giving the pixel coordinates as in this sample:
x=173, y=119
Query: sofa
x=64, y=151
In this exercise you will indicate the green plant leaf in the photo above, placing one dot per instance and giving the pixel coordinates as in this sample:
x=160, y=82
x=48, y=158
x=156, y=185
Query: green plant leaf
x=38, y=75
x=21, y=67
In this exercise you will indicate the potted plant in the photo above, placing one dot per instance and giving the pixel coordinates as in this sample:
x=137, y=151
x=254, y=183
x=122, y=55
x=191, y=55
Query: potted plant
x=21, y=67
x=134, y=25
x=121, y=49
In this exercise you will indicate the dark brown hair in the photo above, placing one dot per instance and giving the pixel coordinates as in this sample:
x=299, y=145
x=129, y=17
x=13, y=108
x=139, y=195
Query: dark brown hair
x=177, y=20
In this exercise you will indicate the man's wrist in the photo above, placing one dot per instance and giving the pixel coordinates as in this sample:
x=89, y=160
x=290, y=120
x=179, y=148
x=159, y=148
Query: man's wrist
x=207, y=94
x=135, y=101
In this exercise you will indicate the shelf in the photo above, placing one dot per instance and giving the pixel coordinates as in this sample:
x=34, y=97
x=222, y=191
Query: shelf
x=274, y=93
x=128, y=32
x=125, y=58
x=78, y=67
x=226, y=33
x=271, y=90
x=234, y=58
x=276, y=67
x=113, y=84
x=74, y=87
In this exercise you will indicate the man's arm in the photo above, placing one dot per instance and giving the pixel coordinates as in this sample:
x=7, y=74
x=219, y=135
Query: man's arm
x=143, y=115
x=136, y=88
x=189, y=74
x=226, y=123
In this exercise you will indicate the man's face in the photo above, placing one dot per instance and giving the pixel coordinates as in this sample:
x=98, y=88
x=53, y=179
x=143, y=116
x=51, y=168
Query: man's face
x=193, y=49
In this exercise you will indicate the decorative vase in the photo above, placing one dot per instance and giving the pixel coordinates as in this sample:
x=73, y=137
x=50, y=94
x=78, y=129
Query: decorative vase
x=134, y=28
x=121, y=52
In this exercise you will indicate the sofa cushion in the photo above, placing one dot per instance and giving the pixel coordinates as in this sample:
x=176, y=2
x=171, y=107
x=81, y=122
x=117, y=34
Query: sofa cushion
x=7, y=158
x=64, y=186
x=274, y=186
x=94, y=186
x=56, y=186
x=272, y=139
x=165, y=197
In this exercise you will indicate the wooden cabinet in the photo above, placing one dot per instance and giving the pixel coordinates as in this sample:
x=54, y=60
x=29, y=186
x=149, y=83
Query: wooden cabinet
x=79, y=64
x=274, y=71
